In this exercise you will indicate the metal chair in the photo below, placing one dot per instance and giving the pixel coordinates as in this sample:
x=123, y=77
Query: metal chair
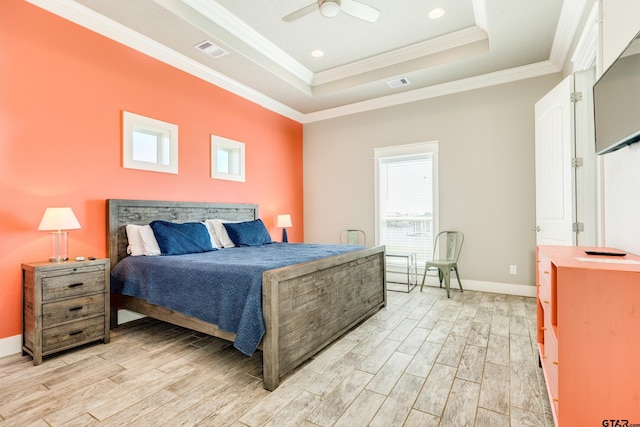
x=451, y=244
x=353, y=237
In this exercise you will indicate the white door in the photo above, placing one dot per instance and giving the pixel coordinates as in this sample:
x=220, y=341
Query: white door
x=555, y=199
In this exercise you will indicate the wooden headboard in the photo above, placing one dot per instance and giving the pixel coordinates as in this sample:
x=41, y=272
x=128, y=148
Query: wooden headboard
x=142, y=212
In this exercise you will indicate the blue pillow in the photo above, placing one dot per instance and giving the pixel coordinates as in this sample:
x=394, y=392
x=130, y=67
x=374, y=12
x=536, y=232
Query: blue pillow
x=179, y=239
x=248, y=233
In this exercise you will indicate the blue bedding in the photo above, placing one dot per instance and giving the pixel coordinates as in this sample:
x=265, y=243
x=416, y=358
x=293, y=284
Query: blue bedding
x=223, y=287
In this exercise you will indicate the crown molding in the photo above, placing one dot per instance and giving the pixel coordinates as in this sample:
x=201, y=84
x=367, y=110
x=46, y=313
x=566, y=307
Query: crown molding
x=86, y=17
x=463, y=85
x=584, y=55
x=570, y=16
x=217, y=14
x=415, y=51
x=238, y=28
x=81, y=15
x=480, y=13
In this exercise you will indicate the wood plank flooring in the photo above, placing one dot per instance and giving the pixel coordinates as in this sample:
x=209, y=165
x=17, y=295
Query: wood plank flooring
x=425, y=360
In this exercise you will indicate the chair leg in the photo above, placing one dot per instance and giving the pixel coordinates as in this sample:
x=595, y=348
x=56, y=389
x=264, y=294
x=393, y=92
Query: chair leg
x=447, y=280
x=424, y=276
x=458, y=277
x=440, y=276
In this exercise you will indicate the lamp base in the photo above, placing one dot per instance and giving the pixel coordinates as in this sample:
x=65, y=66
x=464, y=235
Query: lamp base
x=59, y=246
x=284, y=236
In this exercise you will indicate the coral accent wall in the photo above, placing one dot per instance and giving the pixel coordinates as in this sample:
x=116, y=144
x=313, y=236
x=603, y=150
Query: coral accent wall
x=62, y=91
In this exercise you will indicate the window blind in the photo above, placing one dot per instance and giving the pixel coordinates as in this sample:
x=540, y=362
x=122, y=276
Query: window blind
x=406, y=204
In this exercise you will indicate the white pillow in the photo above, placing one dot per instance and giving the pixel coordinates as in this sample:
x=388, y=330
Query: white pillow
x=151, y=247
x=220, y=232
x=141, y=240
x=136, y=246
x=212, y=234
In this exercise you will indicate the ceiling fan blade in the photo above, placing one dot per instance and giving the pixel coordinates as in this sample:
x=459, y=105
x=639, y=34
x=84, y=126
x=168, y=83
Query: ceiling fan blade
x=360, y=10
x=301, y=12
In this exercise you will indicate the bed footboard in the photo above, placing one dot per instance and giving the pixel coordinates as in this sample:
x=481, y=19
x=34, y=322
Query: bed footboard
x=308, y=306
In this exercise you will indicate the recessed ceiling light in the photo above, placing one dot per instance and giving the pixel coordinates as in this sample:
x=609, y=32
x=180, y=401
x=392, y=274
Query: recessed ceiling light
x=436, y=13
x=317, y=53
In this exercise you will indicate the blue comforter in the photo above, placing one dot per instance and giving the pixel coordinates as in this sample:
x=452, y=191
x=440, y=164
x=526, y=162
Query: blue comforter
x=223, y=287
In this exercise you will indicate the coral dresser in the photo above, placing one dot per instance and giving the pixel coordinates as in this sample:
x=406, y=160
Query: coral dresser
x=589, y=335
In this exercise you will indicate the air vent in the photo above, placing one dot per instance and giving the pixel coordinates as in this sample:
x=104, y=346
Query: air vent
x=397, y=83
x=211, y=49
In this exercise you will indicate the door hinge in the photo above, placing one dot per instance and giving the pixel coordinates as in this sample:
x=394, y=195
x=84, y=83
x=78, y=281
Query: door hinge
x=576, y=162
x=578, y=226
x=576, y=96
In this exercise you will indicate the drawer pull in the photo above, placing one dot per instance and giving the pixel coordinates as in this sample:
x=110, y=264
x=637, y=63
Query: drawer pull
x=75, y=285
x=546, y=302
x=546, y=272
x=76, y=308
x=555, y=399
x=543, y=329
x=555, y=362
x=75, y=333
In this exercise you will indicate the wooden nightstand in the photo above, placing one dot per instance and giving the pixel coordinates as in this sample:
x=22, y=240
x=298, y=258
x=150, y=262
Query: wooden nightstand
x=64, y=305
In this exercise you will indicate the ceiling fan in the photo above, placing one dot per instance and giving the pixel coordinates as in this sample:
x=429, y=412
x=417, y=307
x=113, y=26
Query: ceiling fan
x=330, y=8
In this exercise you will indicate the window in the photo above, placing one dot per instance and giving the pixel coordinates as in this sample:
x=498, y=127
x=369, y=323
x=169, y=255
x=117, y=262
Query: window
x=149, y=144
x=227, y=159
x=406, y=214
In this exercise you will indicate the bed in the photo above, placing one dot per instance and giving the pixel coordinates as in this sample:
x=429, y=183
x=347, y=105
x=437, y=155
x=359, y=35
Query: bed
x=298, y=320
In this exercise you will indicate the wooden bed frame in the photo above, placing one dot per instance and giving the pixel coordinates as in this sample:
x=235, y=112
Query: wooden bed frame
x=305, y=306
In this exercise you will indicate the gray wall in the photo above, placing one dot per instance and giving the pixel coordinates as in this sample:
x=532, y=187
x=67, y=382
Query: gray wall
x=486, y=172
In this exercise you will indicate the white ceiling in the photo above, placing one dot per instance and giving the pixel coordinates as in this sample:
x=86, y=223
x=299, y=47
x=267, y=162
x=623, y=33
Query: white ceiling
x=476, y=43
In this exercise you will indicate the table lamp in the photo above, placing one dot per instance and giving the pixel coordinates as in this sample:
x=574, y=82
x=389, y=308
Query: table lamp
x=283, y=221
x=56, y=220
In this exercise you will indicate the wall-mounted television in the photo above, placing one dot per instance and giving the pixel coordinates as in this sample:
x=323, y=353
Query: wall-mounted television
x=616, y=101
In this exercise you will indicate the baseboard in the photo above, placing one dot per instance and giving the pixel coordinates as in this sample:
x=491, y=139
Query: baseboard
x=10, y=345
x=493, y=287
x=13, y=345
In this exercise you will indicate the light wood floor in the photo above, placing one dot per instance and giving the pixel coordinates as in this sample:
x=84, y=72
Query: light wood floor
x=425, y=360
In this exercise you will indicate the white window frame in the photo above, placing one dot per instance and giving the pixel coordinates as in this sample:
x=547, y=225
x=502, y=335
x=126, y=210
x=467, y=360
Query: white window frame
x=234, y=169
x=167, y=133
x=405, y=151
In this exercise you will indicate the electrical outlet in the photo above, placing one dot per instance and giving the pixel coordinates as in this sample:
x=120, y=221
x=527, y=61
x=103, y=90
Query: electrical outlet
x=513, y=269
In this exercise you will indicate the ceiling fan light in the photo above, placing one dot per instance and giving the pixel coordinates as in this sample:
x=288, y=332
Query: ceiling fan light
x=330, y=8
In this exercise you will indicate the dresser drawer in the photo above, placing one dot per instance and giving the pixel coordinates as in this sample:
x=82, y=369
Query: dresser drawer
x=72, y=309
x=68, y=283
x=70, y=334
x=547, y=288
x=544, y=281
x=550, y=361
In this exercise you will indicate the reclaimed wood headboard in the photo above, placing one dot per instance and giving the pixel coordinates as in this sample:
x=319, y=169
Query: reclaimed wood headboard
x=141, y=212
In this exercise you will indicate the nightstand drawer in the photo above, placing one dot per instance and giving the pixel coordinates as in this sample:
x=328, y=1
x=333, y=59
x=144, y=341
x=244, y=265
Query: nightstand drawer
x=72, y=309
x=70, y=334
x=67, y=283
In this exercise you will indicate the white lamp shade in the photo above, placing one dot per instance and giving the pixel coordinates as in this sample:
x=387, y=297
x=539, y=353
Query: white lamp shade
x=58, y=219
x=283, y=221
